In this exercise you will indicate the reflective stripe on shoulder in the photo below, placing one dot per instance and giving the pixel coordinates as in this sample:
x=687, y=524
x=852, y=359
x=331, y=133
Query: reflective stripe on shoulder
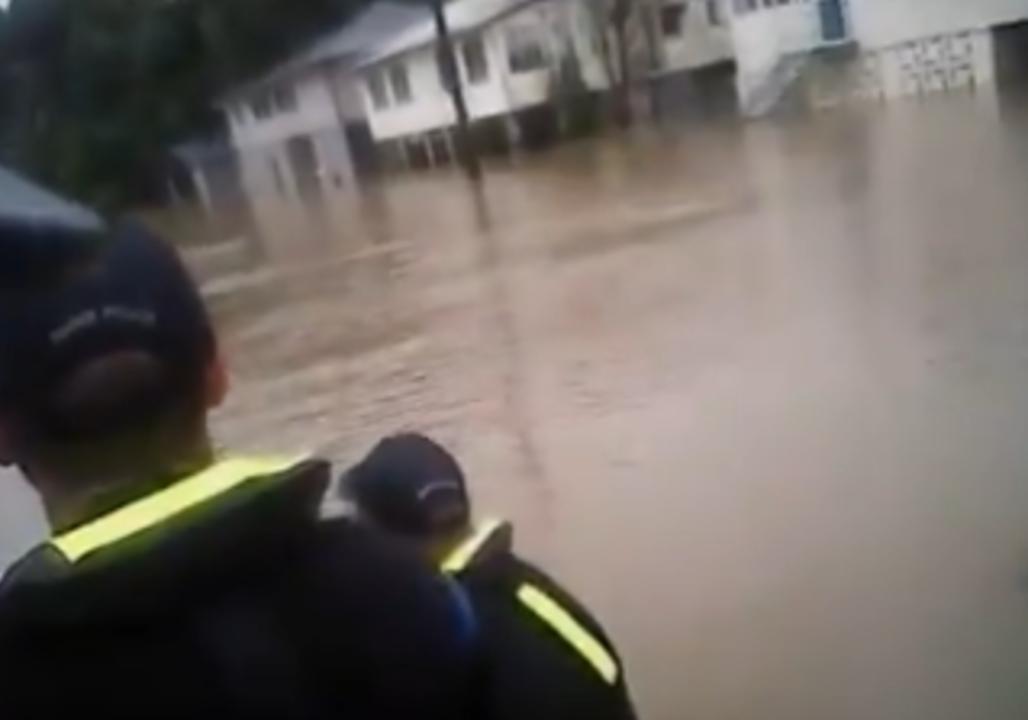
x=165, y=504
x=466, y=551
x=561, y=621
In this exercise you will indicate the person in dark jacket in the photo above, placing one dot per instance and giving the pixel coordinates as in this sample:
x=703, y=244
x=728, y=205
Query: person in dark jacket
x=180, y=583
x=547, y=658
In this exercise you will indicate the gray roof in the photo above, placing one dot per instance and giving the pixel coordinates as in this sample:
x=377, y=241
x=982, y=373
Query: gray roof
x=463, y=16
x=23, y=203
x=349, y=42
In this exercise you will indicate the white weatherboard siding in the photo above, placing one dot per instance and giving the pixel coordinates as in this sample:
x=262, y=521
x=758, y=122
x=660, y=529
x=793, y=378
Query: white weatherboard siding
x=429, y=108
x=561, y=26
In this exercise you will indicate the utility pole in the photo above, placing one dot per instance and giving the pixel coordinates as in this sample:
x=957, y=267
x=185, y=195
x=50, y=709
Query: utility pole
x=466, y=150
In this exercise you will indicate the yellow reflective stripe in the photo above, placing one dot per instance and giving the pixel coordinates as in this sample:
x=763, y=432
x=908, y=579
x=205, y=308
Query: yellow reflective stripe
x=459, y=558
x=164, y=504
x=571, y=630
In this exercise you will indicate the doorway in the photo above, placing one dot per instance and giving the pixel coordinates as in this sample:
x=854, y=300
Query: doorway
x=833, y=20
x=306, y=169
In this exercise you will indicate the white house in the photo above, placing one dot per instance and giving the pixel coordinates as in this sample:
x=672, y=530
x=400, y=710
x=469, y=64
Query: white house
x=893, y=48
x=302, y=126
x=511, y=55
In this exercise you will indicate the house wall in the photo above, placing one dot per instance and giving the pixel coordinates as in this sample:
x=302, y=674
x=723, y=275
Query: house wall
x=701, y=43
x=562, y=24
x=920, y=46
x=315, y=109
x=937, y=63
x=907, y=47
x=883, y=23
x=429, y=107
x=346, y=86
x=261, y=143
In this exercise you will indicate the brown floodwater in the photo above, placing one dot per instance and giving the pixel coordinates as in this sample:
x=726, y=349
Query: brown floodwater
x=759, y=393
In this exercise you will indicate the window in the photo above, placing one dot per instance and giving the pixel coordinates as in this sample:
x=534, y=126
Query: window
x=525, y=51
x=284, y=99
x=400, y=81
x=261, y=106
x=377, y=91
x=476, y=64
x=672, y=20
x=714, y=12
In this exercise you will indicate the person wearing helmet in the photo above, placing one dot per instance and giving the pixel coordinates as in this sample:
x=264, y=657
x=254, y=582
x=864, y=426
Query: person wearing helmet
x=179, y=581
x=547, y=657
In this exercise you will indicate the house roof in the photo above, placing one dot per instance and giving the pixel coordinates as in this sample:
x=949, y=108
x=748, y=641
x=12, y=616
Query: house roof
x=350, y=41
x=24, y=203
x=462, y=16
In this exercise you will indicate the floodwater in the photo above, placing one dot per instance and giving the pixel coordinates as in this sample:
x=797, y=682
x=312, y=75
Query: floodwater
x=758, y=393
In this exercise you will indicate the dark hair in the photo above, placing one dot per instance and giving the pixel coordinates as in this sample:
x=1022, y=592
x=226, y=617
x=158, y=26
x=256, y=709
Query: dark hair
x=117, y=414
x=126, y=411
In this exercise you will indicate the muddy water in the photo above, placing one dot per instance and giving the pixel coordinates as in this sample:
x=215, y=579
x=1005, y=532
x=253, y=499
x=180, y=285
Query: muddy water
x=759, y=394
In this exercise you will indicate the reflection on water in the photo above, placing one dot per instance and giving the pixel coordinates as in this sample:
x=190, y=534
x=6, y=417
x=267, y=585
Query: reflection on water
x=758, y=392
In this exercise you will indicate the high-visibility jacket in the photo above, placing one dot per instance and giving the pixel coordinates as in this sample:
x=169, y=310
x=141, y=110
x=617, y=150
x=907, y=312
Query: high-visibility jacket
x=546, y=657
x=224, y=596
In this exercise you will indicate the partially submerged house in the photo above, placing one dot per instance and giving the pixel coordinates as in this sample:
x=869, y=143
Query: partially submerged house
x=835, y=50
x=302, y=127
x=517, y=60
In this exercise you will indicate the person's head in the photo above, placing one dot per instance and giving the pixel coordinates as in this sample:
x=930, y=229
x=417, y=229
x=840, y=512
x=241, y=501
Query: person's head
x=410, y=486
x=108, y=365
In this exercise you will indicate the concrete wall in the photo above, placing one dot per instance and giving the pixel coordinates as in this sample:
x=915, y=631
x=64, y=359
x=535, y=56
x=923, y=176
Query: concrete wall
x=700, y=43
x=881, y=23
x=938, y=63
x=563, y=25
x=763, y=36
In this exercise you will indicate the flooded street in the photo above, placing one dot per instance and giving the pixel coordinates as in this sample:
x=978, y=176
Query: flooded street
x=759, y=393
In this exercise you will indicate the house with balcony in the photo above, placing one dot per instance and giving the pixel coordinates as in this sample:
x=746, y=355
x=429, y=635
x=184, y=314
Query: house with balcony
x=302, y=126
x=516, y=60
x=834, y=51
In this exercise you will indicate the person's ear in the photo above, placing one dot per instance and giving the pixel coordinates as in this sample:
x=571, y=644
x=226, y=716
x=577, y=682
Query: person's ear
x=216, y=382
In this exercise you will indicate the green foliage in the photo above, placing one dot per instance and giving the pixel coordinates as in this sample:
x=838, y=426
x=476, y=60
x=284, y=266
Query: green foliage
x=92, y=92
